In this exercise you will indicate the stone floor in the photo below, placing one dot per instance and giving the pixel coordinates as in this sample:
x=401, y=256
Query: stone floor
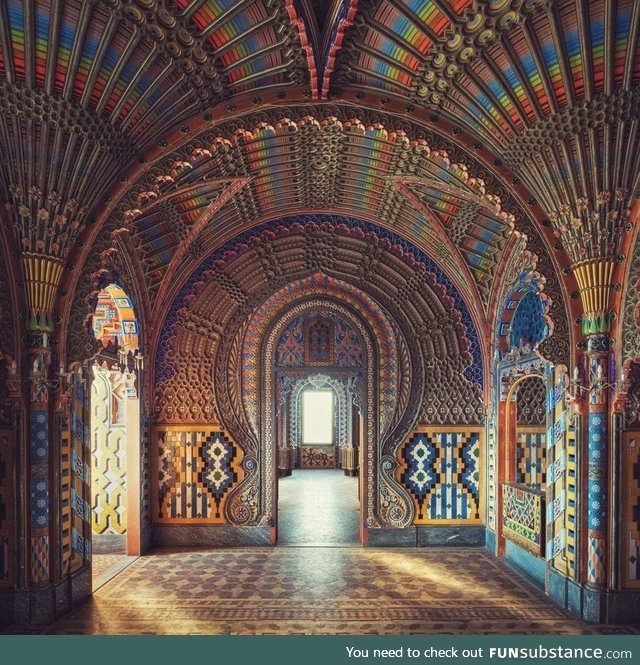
x=109, y=558
x=106, y=566
x=320, y=590
x=318, y=507
x=103, y=563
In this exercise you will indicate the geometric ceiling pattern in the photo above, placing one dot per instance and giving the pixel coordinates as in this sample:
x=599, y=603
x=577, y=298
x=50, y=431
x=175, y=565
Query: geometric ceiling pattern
x=232, y=177
x=87, y=85
x=172, y=217
x=550, y=87
x=287, y=106
x=526, y=79
x=322, y=25
x=140, y=64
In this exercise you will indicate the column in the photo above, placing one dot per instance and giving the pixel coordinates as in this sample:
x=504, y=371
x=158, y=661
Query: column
x=597, y=490
x=39, y=469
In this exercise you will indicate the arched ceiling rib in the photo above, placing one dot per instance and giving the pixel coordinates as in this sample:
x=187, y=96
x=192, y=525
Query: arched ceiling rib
x=273, y=163
x=332, y=160
x=550, y=87
x=322, y=24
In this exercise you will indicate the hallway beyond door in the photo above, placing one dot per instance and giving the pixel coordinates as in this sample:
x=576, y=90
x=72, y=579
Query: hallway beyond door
x=318, y=507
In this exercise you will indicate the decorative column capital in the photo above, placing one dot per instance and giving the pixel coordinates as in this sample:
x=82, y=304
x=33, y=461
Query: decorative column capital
x=43, y=222
x=591, y=230
x=45, y=227
x=42, y=275
x=595, y=281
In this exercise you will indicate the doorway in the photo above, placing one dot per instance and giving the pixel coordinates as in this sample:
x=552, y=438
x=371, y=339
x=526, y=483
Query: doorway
x=317, y=503
x=115, y=438
x=114, y=406
x=522, y=503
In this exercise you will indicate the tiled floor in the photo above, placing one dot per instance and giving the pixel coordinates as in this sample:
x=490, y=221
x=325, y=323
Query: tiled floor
x=106, y=566
x=303, y=588
x=102, y=563
x=318, y=507
x=319, y=590
x=109, y=558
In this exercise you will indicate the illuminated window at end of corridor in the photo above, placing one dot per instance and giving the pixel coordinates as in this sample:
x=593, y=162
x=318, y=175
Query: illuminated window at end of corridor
x=317, y=416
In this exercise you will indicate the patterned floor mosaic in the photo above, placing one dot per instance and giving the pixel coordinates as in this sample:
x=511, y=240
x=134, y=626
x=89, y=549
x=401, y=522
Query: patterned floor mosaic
x=101, y=563
x=106, y=566
x=294, y=590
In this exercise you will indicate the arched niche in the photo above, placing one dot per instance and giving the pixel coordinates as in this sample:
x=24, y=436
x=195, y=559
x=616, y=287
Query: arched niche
x=525, y=436
x=318, y=348
x=627, y=423
x=210, y=372
x=380, y=370
x=527, y=422
x=627, y=437
x=521, y=418
x=114, y=321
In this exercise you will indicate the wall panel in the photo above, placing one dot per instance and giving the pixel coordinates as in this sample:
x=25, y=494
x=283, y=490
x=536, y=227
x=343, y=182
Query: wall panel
x=195, y=467
x=442, y=470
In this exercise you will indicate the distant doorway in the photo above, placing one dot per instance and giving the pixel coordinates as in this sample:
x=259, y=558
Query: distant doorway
x=317, y=442
x=318, y=508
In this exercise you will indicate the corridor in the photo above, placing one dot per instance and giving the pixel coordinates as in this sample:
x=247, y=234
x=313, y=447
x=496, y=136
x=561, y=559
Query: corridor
x=318, y=507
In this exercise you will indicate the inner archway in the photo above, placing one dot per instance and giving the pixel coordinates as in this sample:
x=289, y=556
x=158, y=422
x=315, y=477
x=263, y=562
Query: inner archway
x=320, y=344
x=418, y=370
x=318, y=460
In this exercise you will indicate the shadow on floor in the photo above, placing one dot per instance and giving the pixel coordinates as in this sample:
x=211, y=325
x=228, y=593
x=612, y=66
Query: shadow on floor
x=109, y=558
x=321, y=591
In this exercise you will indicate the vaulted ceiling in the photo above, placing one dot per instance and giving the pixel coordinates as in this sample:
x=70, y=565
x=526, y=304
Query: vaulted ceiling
x=550, y=87
x=187, y=121
x=316, y=160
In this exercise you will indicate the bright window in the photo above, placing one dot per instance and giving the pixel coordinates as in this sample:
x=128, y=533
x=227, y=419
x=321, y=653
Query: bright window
x=317, y=416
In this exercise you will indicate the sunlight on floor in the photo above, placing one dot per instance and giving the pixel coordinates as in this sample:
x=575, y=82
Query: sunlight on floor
x=320, y=590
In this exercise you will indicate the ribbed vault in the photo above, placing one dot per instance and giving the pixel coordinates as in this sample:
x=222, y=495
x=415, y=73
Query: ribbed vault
x=144, y=105
x=229, y=177
x=457, y=179
x=550, y=87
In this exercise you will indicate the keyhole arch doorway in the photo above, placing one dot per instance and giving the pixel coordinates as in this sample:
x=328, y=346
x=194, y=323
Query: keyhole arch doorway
x=248, y=360
x=276, y=380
